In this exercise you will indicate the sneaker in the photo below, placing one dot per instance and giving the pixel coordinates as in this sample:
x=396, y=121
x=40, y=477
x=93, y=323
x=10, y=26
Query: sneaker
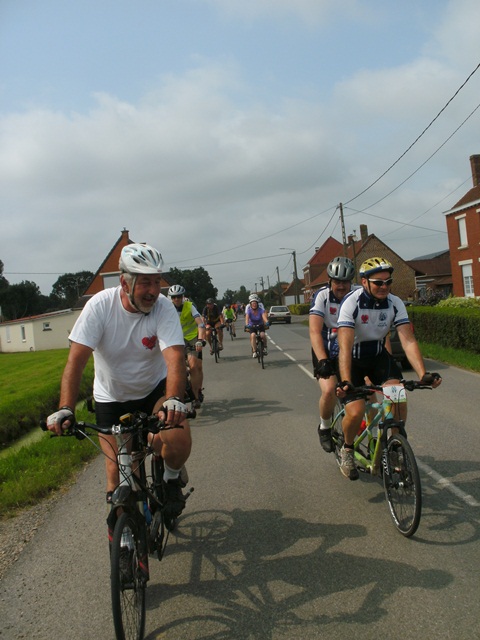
x=326, y=441
x=201, y=397
x=196, y=404
x=254, y=354
x=220, y=347
x=211, y=352
x=174, y=501
x=347, y=464
x=265, y=352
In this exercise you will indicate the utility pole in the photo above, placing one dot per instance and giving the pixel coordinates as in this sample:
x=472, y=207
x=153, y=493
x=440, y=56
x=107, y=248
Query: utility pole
x=342, y=223
x=280, y=297
x=297, y=295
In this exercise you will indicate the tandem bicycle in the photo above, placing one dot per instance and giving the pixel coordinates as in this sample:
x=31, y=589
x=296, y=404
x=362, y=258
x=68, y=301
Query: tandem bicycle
x=137, y=517
x=381, y=449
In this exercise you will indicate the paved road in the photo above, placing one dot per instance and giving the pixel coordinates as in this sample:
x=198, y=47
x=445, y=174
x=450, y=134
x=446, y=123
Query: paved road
x=275, y=544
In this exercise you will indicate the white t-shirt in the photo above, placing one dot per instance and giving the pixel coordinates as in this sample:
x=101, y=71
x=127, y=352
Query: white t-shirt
x=127, y=347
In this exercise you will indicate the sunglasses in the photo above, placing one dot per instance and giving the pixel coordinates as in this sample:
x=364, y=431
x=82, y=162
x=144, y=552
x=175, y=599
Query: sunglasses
x=381, y=283
x=173, y=297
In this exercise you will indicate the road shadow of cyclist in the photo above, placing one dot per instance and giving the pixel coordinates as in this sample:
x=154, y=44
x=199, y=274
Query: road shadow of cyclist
x=261, y=572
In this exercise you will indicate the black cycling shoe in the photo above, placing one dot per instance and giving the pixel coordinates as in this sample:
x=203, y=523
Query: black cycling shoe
x=174, y=501
x=326, y=441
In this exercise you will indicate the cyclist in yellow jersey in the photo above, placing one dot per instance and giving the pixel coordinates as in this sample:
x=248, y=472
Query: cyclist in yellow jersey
x=230, y=317
x=193, y=329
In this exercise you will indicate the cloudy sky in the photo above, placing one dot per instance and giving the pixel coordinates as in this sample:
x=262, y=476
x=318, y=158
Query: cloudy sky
x=222, y=130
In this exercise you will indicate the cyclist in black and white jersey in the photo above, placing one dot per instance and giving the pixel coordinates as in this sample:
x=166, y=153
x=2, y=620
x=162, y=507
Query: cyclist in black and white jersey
x=364, y=321
x=323, y=317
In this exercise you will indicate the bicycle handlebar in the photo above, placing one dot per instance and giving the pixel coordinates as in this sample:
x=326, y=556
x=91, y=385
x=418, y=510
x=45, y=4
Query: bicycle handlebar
x=137, y=421
x=367, y=390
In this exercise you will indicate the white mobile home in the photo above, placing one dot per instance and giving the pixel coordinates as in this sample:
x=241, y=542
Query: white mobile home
x=38, y=333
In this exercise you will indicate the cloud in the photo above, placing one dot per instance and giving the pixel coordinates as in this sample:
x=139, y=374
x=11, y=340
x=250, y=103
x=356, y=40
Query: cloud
x=202, y=163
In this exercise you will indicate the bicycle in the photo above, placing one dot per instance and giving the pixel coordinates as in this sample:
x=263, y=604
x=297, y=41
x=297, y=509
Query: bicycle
x=259, y=344
x=389, y=456
x=229, y=326
x=215, y=344
x=137, y=516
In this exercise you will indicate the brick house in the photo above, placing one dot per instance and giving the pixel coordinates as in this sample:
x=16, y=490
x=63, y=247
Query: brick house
x=463, y=229
x=367, y=246
x=433, y=275
x=108, y=274
x=317, y=264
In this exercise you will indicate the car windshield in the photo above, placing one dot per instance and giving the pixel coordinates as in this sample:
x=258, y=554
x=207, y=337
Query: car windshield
x=279, y=309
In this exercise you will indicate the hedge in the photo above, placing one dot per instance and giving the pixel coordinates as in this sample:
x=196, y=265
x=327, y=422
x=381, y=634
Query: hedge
x=449, y=327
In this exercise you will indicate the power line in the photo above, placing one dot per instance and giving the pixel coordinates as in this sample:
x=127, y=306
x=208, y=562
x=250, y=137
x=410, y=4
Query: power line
x=416, y=139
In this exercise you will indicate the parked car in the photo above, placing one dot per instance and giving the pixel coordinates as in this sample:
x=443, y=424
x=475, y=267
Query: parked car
x=279, y=314
x=397, y=349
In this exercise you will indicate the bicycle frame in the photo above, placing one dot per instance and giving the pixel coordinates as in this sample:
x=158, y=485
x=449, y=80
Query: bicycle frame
x=371, y=443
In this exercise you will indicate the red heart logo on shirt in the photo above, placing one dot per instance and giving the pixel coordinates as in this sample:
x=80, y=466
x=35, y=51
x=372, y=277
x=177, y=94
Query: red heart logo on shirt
x=150, y=342
x=364, y=319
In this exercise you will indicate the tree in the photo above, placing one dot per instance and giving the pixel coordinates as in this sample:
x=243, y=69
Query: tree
x=198, y=284
x=22, y=300
x=69, y=287
x=3, y=280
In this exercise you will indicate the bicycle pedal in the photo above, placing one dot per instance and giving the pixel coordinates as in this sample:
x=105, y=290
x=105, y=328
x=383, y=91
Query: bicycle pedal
x=188, y=493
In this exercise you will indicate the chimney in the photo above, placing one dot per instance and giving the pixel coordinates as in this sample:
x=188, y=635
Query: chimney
x=475, y=164
x=363, y=232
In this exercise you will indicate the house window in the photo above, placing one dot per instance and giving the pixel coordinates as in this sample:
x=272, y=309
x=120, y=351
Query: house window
x=462, y=231
x=110, y=280
x=23, y=334
x=46, y=326
x=467, y=277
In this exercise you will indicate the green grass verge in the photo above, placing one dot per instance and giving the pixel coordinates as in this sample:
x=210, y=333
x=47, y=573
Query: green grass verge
x=454, y=357
x=32, y=472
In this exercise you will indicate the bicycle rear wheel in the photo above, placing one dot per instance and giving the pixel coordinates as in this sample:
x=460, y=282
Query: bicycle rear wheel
x=403, y=489
x=127, y=579
x=260, y=353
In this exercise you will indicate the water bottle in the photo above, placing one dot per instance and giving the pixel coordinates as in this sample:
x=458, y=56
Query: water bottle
x=147, y=513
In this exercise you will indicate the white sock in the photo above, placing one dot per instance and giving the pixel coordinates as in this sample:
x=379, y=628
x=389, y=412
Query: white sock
x=325, y=423
x=170, y=474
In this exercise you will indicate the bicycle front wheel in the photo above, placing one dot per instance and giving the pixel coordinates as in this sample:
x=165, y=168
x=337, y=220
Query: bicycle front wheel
x=128, y=581
x=337, y=431
x=403, y=489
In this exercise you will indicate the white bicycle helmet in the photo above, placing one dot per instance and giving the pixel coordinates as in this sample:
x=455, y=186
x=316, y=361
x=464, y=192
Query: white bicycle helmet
x=253, y=298
x=138, y=258
x=341, y=268
x=176, y=290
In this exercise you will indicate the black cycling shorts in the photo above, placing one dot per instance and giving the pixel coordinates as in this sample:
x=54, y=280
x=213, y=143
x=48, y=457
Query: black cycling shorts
x=378, y=368
x=109, y=413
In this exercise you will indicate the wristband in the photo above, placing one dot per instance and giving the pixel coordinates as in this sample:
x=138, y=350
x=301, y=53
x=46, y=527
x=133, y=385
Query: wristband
x=67, y=408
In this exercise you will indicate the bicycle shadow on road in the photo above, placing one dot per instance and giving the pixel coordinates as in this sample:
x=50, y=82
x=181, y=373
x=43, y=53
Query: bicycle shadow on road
x=219, y=411
x=258, y=574
x=449, y=518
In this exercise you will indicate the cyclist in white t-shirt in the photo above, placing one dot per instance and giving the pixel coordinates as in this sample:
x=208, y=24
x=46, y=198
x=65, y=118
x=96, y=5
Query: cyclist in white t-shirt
x=136, y=339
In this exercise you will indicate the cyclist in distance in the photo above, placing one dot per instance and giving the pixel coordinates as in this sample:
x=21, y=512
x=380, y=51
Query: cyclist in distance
x=364, y=321
x=256, y=317
x=193, y=329
x=213, y=317
x=139, y=355
x=230, y=317
x=323, y=338
x=256, y=298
